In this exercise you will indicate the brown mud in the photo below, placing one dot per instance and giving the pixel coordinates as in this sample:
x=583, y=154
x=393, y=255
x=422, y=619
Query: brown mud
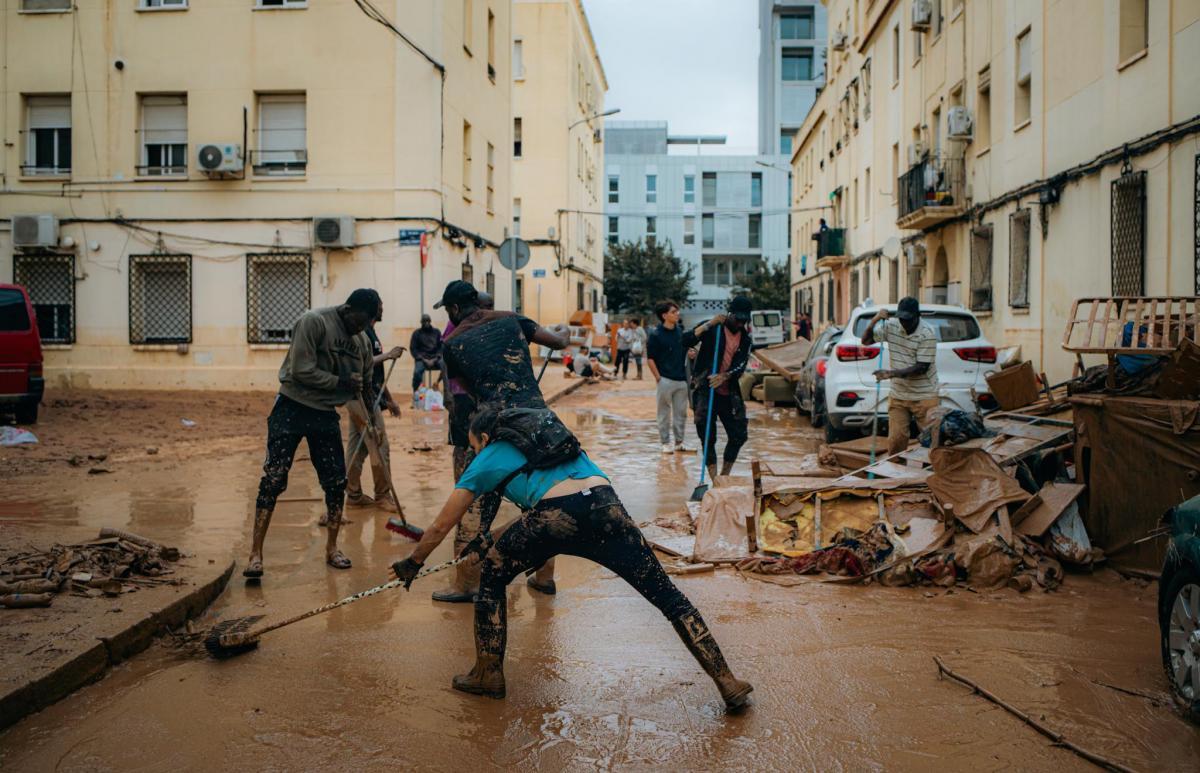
x=844, y=675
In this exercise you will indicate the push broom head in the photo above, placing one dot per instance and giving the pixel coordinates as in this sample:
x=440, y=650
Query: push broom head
x=231, y=637
x=405, y=529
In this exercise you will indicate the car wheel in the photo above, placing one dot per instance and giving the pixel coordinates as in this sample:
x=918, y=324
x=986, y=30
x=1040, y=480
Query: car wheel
x=27, y=413
x=1179, y=628
x=818, y=417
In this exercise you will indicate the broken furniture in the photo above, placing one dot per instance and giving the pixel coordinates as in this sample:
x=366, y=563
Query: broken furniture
x=1130, y=326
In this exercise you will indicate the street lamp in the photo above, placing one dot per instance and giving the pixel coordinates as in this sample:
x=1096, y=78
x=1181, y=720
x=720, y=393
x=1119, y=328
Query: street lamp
x=614, y=111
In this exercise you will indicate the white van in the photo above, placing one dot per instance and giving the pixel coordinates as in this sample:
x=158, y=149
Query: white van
x=766, y=328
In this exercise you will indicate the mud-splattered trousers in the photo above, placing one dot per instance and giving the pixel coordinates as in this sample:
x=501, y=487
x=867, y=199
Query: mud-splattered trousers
x=289, y=423
x=466, y=575
x=731, y=410
x=592, y=524
x=380, y=455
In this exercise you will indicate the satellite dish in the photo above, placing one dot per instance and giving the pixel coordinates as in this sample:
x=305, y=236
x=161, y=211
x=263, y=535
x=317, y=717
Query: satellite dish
x=891, y=248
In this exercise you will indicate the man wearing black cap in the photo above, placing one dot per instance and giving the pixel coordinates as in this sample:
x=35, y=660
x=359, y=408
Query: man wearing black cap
x=729, y=334
x=912, y=355
x=487, y=353
x=328, y=363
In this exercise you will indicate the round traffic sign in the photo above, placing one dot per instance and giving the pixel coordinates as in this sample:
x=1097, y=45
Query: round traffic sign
x=514, y=250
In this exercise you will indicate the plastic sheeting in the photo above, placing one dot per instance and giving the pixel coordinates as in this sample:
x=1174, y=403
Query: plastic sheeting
x=1138, y=456
x=721, y=523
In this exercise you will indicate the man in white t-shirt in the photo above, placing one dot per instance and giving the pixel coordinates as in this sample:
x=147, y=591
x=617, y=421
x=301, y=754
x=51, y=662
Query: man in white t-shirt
x=912, y=355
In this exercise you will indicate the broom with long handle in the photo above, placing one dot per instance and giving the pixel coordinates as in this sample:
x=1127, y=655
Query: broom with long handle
x=698, y=492
x=399, y=525
x=233, y=637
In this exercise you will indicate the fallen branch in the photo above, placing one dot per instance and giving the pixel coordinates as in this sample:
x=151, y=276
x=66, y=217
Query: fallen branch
x=1053, y=735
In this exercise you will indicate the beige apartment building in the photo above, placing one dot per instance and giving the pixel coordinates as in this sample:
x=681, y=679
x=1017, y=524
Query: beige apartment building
x=182, y=178
x=558, y=157
x=1010, y=157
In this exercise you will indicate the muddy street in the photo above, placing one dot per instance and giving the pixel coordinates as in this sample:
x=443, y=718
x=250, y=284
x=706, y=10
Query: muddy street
x=844, y=675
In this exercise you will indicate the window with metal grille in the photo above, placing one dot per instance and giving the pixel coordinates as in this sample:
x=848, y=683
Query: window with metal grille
x=278, y=291
x=50, y=281
x=1018, y=259
x=853, y=288
x=468, y=272
x=489, y=283
x=981, y=268
x=160, y=299
x=579, y=296
x=1128, y=236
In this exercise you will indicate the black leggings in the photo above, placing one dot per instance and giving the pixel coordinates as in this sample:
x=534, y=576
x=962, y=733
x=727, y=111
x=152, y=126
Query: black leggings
x=621, y=364
x=592, y=524
x=732, y=413
x=288, y=424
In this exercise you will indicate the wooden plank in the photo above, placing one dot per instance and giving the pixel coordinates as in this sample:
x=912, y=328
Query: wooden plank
x=918, y=454
x=1087, y=339
x=1150, y=328
x=1072, y=320
x=889, y=469
x=1033, y=432
x=1056, y=498
x=752, y=519
x=1108, y=310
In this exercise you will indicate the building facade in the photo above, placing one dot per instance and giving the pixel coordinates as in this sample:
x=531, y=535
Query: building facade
x=724, y=215
x=339, y=154
x=791, y=64
x=1008, y=157
x=558, y=158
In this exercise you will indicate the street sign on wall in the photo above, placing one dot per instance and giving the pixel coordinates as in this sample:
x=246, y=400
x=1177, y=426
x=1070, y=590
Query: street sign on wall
x=539, y=273
x=411, y=236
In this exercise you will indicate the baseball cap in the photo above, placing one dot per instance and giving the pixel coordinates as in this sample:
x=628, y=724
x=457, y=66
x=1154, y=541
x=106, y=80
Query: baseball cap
x=457, y=293
x=908, y=308
x=739, y=308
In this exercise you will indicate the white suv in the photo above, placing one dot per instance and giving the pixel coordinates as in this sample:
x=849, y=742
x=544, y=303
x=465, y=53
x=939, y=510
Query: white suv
x=964, y=358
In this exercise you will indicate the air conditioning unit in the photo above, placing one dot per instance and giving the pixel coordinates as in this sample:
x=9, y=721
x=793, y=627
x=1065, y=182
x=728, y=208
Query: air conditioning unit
x=839, y=41
x=335, y=232
x=922, y=14
x=216, y=158
x=35, y=230
x=916, y=153
x=958, y=123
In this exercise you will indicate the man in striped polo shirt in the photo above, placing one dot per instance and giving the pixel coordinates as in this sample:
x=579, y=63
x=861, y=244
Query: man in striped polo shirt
x=912, y=354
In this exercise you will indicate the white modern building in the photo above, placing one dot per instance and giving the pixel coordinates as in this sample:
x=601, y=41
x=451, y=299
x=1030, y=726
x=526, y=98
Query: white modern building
x=725, y=215
x=791, y=68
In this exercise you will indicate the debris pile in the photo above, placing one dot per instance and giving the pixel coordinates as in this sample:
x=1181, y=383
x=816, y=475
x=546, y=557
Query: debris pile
x=116, y=562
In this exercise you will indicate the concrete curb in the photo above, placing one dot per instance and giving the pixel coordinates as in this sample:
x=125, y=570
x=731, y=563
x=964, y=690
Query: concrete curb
x=568, y=389
x=83, y=667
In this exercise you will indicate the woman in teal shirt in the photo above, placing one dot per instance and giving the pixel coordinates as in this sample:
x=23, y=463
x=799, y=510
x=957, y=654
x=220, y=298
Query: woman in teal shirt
x=569, y=509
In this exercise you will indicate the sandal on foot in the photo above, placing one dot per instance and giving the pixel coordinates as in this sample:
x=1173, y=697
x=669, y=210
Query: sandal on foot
x=254, y=569
x=338, y=561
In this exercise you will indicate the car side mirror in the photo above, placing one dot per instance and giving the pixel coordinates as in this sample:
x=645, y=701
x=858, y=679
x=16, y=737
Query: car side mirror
x=829, y=347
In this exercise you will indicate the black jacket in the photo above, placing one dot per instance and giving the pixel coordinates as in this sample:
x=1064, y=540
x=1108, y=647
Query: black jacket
x=702, y=366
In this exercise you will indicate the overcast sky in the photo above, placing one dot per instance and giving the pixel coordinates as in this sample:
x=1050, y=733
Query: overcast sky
x=693, y=63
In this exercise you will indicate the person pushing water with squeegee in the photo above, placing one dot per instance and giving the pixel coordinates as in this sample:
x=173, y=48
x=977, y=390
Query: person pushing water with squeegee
x=530, y=457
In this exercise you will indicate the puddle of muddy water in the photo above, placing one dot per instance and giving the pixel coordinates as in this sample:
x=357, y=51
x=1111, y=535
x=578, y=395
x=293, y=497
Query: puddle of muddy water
x=844, y=675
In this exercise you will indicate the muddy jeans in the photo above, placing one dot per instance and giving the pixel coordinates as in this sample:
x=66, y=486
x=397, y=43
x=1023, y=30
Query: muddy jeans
x=466, y=575
x=380, y=455
x=289, y=423
x=592, y=524
x=672, y=409
x=900, y=413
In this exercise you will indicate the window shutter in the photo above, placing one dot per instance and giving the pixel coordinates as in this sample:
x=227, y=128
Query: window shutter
x=49, y=112
x=283, y=123
x=164, y=120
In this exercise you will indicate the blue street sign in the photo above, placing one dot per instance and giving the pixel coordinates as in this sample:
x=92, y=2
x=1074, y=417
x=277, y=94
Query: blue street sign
x=411, y=236
x=539, y=273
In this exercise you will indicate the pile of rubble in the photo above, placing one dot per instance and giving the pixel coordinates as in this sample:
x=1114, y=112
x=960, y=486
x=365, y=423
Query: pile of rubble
x=116, y=562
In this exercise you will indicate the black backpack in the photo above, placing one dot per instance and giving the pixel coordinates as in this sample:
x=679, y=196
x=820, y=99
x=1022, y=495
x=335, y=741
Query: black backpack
x=540, y=435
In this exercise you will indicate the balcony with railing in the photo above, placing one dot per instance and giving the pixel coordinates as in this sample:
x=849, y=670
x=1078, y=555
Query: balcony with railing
x=930, y=192
x=831, y=247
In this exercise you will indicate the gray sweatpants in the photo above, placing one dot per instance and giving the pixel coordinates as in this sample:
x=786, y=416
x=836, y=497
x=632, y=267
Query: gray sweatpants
x=672, y=409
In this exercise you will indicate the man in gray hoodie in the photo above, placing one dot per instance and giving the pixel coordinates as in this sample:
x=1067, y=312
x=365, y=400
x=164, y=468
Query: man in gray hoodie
x=328, y=363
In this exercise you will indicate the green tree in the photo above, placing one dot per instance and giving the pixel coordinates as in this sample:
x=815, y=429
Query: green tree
x=768, y=286
x=638, y=275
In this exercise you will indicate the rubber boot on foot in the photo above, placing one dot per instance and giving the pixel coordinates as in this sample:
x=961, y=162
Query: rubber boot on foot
x=700, y=642
x=485, y=678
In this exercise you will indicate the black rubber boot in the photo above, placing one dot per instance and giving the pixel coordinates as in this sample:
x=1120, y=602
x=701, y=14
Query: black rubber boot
x=491, y=632
x=700, y=642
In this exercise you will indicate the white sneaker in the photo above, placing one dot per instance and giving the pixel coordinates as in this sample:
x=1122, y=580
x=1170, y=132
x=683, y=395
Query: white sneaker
x=680, y=448
x=667, y=448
